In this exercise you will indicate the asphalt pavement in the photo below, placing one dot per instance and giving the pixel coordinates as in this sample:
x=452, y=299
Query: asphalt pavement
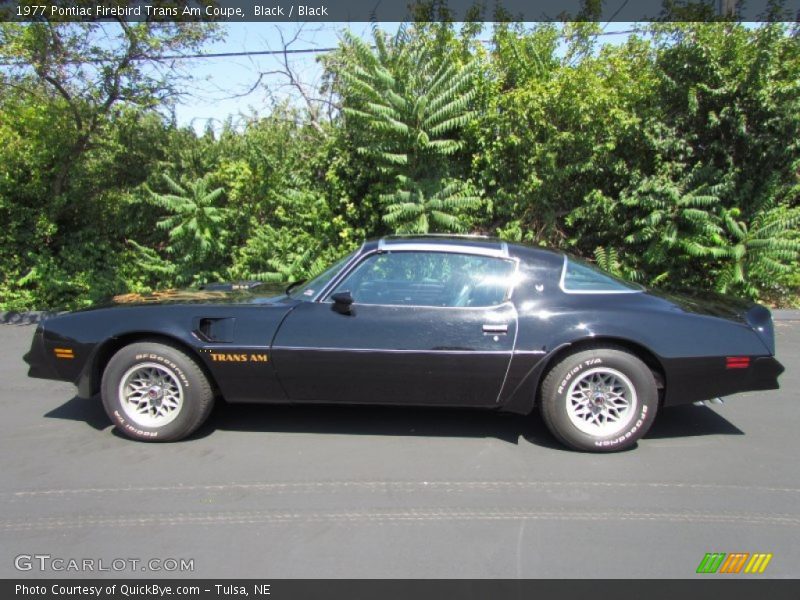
x=284, y=492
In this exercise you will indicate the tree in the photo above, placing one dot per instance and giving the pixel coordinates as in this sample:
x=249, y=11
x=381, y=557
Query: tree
x=196, y=232
x=405, y=104
x=87, y=70
x=672, y=158
x=562, y=129
x=761, y=253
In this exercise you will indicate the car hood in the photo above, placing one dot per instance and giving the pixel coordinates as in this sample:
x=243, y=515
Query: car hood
x=262, y=293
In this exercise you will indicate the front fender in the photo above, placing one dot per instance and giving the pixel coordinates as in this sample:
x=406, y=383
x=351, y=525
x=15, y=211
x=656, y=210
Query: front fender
x=76, y=346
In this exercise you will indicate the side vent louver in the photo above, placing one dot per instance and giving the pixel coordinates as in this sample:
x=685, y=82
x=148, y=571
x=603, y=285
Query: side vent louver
x=214, y=329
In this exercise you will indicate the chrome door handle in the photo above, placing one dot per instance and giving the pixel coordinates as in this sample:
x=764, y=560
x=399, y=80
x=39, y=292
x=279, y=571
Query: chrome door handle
x=493, y=328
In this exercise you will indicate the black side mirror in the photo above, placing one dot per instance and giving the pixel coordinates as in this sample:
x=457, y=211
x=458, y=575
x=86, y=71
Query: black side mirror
x=343, y=302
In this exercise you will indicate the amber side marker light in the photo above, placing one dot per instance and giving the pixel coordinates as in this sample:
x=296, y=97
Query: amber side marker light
x=737, y=362
x=64, y=352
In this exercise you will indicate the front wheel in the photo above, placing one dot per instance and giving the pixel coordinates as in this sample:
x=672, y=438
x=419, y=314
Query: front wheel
x=599, y=400
x=155, y=392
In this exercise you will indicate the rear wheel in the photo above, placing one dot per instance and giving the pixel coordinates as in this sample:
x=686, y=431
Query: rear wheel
x=155, y=392
x=599, y=400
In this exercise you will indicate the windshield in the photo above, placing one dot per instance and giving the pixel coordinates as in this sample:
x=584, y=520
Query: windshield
x=310, y=288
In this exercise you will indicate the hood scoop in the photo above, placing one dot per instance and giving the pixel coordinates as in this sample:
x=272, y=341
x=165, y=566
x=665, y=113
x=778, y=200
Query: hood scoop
x=230, y=286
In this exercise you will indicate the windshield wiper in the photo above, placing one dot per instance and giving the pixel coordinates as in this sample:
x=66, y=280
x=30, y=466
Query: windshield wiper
x=293, y=285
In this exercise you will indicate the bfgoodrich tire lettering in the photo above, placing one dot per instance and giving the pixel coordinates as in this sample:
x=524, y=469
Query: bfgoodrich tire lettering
x=599, y=400
x=155, y=392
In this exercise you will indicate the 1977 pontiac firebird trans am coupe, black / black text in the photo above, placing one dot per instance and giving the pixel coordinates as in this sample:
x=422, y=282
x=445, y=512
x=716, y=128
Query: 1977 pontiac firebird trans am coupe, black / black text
x=426, y=321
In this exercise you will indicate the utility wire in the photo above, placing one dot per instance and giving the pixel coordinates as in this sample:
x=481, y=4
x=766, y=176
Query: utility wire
x=246, y=53
x=7, y=61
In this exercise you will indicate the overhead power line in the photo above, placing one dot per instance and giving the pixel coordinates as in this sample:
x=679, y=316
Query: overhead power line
x=246, y=53
x=317, y=50
x=7, y=61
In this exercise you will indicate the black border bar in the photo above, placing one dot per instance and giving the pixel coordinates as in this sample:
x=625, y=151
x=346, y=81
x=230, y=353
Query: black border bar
x=604, y=11
x=730, y=588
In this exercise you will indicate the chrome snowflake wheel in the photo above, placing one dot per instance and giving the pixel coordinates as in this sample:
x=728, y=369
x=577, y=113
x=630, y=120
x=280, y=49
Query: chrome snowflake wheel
x=150, y=395
x=601, y=401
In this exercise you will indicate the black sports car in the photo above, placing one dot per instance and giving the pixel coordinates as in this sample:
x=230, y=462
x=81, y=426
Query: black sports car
x=425, y=320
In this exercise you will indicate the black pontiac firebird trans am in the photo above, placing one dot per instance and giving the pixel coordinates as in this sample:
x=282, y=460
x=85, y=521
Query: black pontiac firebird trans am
x=428, y=321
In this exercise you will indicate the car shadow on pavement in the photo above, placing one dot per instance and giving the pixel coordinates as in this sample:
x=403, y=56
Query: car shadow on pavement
x=82, y=409
x=377, y=420
x=690, y=420
x=675, y=422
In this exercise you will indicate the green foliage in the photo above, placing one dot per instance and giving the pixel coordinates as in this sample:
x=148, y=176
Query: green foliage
x=196, y=233
x=670, y=224
x=405, y=104
x=608, y=258
x=295, y=249
x=672, y=158
x=759, y=254
x=194, y=219
x=673, y=149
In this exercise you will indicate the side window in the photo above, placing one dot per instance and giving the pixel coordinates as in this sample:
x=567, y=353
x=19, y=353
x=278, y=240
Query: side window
x=579, y=277
x=430, y=279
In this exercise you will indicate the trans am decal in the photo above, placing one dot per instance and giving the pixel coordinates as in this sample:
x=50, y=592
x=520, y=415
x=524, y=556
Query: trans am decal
x=236, y=356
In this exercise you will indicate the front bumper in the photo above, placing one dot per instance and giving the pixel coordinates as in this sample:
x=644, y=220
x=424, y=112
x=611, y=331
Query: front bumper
x=39, y=360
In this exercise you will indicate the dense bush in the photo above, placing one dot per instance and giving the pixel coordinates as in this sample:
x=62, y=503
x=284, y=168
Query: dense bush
x=672, y=158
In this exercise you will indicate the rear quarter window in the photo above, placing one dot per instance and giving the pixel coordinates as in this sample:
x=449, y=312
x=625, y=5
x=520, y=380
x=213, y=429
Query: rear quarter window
x=579, y=277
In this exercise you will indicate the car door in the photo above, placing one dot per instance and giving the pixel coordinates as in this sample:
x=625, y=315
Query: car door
x=432, y=328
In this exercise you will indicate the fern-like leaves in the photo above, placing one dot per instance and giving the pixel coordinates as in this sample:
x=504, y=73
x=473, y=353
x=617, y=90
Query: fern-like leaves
x=410, y=106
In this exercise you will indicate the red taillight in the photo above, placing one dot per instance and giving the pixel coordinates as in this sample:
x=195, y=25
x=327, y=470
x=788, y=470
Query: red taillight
x=737, y=362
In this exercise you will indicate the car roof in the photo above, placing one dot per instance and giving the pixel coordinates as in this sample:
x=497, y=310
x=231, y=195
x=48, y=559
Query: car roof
x=468, y=244
x=448, y=243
